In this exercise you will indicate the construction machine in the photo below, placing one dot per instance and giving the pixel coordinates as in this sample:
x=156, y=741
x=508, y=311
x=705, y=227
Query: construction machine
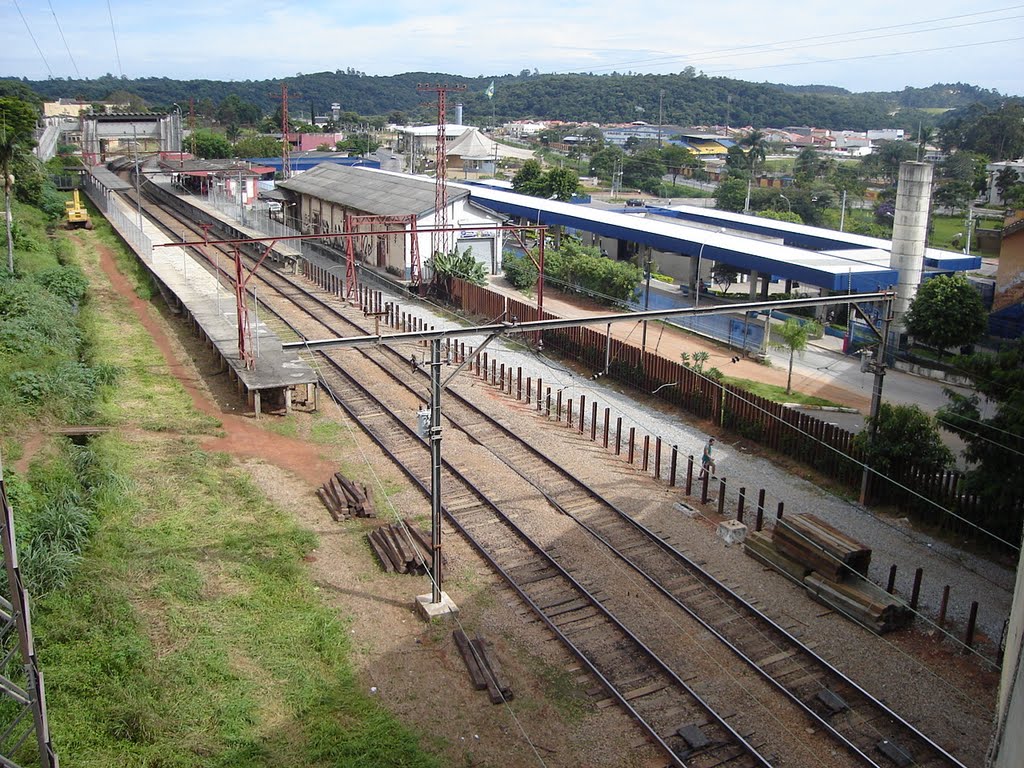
x=77, y=215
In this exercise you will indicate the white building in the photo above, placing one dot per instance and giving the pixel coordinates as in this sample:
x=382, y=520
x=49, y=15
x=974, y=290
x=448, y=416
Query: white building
x=328, y=193
x=993, y=170
x=886, y=134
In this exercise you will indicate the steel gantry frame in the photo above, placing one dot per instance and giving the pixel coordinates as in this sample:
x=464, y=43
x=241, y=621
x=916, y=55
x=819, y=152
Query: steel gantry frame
x=242, y=275
x=494, y=330
x=28, y=697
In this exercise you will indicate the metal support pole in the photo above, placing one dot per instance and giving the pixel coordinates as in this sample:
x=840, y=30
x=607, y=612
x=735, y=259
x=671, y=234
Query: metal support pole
x=876, y=390
x=647, y=304
x=607, y=348
x=435, y=469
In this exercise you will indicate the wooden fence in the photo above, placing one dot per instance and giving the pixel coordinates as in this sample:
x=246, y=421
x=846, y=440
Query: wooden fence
x=795, y=434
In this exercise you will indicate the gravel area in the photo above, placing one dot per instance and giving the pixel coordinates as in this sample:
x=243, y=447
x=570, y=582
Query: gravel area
x=893, y=540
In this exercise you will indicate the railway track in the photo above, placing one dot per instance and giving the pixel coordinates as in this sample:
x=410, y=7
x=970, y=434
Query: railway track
x=864, y=726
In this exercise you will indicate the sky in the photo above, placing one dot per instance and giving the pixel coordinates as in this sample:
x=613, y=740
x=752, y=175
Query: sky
x=865, y=46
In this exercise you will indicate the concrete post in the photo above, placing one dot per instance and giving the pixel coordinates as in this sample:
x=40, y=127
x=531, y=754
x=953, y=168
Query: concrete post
x=910, y=233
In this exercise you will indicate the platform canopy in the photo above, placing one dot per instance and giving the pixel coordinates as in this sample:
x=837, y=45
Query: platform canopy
x=832, y=271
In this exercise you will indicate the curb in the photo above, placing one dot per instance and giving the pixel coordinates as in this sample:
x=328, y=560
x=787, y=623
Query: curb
x=832, y=408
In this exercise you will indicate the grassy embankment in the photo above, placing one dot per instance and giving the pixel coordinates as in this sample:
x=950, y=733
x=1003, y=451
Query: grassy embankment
x=173, y=619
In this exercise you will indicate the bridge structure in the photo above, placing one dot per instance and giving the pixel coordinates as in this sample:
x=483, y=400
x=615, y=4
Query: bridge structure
x=104, y=133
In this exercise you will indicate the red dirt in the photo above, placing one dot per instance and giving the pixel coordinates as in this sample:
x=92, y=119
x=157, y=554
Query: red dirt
x=241, y=437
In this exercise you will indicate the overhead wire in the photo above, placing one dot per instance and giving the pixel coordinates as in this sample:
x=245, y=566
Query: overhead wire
x=33, y=38
x=113, y=31
x=389, y=502
x=64, y=39
x=757, y=47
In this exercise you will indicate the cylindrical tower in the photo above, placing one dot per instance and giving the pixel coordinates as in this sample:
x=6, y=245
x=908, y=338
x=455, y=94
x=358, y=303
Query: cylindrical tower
x=458, y=114
x=910, y=233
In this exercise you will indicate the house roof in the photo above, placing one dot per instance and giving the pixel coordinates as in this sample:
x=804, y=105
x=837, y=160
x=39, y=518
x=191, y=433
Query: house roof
x=370, y=190
x=473, y=145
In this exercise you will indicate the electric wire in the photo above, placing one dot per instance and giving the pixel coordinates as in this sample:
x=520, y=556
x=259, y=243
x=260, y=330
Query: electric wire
x=64, y=39
x=113, y=32
x=400, y=521
x=956, y=640
x=630, y=575
x=758, y=46
x=866, y=56
x=33, y=38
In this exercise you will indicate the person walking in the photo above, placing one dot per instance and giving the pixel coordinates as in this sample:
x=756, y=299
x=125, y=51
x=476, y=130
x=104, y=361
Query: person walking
x=707, y=463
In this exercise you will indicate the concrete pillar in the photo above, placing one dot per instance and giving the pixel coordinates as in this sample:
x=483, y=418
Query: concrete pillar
x=1007, y=750
x=287, y=401
x=754, y=275
x=910, y=233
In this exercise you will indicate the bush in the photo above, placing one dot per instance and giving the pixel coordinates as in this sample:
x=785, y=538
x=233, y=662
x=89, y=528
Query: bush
x=520, y=271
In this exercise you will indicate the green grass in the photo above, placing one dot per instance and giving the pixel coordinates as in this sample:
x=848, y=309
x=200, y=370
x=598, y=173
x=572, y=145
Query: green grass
x=190, y=633
x=776, y=393
x=945, y=228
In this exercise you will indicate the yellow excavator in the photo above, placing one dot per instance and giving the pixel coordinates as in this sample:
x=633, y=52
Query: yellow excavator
x=77, y=215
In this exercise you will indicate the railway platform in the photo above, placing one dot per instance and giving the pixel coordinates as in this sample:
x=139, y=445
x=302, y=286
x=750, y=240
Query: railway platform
x=279, y=379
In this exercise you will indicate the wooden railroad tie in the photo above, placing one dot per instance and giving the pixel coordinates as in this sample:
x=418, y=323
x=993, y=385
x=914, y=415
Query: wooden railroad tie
x=484, y=669
x=402, y=548
x=344, y=499
x=832, y=568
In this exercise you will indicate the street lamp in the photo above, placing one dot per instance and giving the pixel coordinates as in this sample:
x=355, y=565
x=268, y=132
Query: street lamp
x=789, y=208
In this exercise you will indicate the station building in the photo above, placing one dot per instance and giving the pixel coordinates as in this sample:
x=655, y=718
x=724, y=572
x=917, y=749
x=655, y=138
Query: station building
x=322, y=198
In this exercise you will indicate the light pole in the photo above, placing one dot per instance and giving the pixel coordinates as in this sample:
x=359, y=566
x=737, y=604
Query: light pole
x=696, y=295
x=647, y=304
x=789, y=208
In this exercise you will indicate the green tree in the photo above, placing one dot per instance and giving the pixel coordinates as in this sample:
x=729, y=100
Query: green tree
x=947, y=312
x=529, y=180
x=902, y=433
x=561, y=183
x=724, y=275
x=1005, y=181
x=17, y=124
x=677, y=159
x=993, y=444
x=604, y=162
x=794, y=336
x=953, y=195
x=730, y=195
x=643, y=170
x=208, y=144
x=257, y=146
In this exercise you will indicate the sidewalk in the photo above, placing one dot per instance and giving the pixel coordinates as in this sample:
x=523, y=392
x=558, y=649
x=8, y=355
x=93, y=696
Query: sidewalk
x=671, y=342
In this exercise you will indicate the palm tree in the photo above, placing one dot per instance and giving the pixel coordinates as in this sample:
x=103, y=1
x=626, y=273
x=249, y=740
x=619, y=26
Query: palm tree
x=924, y=135
x=755, y=143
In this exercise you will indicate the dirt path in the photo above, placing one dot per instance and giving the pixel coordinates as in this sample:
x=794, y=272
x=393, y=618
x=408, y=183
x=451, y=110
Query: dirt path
x=241, y=437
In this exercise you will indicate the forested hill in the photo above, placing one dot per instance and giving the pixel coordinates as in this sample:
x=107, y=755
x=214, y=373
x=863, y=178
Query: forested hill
x=686, y=98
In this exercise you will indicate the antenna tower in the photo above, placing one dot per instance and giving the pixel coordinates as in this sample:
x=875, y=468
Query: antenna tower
x=441, y=238
x=192, y=123
x=286, y=145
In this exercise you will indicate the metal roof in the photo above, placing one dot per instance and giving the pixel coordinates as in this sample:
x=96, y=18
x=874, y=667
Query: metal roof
x=805, y=236
x=832, y=271
x=369, y=189
x=108, y=178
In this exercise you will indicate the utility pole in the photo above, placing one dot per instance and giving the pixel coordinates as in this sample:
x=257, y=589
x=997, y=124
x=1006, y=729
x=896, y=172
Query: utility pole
x=661, y=114
x=877, y=366
x=842, y=213
x=647, y=304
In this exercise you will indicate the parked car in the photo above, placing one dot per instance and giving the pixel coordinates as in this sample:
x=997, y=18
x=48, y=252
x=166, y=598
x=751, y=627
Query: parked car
x=635, y=202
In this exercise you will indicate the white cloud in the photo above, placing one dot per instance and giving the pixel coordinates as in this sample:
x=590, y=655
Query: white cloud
x=269, y=38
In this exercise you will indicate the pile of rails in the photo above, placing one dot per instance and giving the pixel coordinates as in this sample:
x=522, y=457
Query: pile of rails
x=344, y=499
x=402, y=548
x=483, y=666
x=832, y=567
